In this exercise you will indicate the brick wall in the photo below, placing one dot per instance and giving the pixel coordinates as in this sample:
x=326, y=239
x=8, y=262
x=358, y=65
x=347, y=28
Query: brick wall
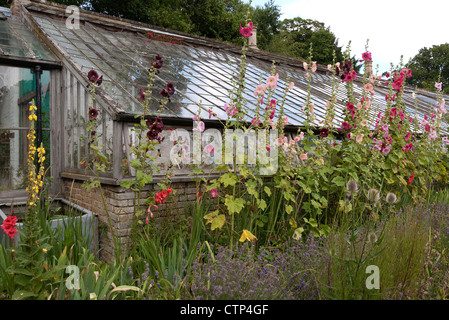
x=120, y=205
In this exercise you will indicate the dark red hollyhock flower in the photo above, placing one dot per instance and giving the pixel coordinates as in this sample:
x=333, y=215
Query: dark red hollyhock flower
x=170, y=88
x=157, y=62
x=347, y=67
x=100, y=81
x=324, y=132
x=337, y=71
x=156, y=126
x=164, y=93
x=93, y=76
x=152, y=135
x=93, y=113
x=141, y=95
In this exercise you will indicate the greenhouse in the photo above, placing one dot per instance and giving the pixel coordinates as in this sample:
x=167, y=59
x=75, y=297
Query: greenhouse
x=45, y=61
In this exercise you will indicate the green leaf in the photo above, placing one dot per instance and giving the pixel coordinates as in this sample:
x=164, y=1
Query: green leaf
x=251, y=186
x=262, y=204
x=215, y=219
x=297, y=234
x=229, y=179
x=126, y=183
x=267, y=190
x=339, y=181
x=234, y=205
x=288, y=209
x=21, y=294
x=135, y=163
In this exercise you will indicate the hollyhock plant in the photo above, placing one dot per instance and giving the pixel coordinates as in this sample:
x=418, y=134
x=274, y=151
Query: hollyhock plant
x=213, y=193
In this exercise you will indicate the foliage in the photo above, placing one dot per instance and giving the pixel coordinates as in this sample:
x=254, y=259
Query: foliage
x=428, y=65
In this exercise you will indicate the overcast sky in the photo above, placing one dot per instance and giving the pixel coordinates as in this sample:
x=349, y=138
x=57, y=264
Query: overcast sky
x=393, y=27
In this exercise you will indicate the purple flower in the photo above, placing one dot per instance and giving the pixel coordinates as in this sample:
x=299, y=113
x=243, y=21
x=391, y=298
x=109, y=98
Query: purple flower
x=142, y=95
x=170, y=88
x=92, y=76
x=100, y=81
x=93, y=113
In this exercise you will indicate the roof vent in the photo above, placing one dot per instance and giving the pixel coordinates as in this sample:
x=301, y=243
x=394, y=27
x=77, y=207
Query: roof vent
x=368, y=67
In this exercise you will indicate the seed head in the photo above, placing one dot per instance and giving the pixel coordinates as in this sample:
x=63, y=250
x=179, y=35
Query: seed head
x=352, y=186
x=373, y=195
x=391, y=198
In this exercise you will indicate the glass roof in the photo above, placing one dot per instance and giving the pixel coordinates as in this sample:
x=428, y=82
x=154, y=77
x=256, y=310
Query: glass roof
x=202, y=76
x=17, y=41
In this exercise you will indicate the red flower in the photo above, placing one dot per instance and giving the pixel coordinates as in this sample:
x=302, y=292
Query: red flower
x=246, y=31
x=411, y=177
x=366, y=56
x=9, y=226
x=170, y=88
x=93, y=76
x=93, y=113
x=161, y=196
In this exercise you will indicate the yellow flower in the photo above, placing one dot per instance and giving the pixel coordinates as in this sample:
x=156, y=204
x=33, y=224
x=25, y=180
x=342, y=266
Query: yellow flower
x=44, y=250
x=246, y=235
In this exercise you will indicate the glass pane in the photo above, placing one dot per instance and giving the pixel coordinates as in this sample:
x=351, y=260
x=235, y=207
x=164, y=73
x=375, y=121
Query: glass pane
x=17, y=90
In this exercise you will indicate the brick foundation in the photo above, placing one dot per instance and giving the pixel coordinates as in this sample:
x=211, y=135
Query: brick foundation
x=120, y=204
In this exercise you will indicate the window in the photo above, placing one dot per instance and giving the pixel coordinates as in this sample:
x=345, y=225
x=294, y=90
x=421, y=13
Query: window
x=17, y=90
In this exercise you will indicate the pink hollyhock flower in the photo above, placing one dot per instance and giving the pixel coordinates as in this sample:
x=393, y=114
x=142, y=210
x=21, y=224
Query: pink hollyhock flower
x=285, y=121
x=213, y=193
x=246, y=31
x=195, y=117
x=268, y=148
x=314, y=67
x=329, y=67
x=427, y=127
x=306, y=75
x=445, y=140
x=438, y=85
x=272, y=81
x=291, y=85
x=201, y=126
x=433, y=135
x=386, y=150
x=442, y=108
x=349, y=135
x=255, y=122
x=359, y=138
x=209, y=148
x=304, y=65
x=350, y=106
x=368, y=87
x=260, y=90
x=407, y=136
x=303, y=156
x=293, y=151
x=366, y=56
x=231, y=110
x=321, y=161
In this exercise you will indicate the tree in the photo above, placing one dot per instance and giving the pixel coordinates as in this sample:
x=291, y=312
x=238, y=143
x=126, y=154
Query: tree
x=427, y=65
x=297, y=34
x=266, y=19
